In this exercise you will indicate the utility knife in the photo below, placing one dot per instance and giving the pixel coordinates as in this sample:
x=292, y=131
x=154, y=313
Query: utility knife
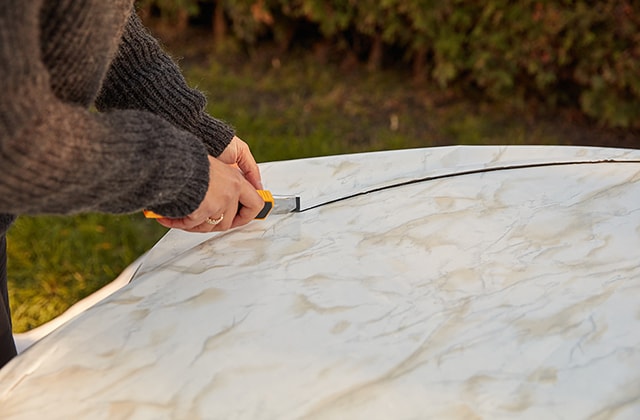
x=276, y=204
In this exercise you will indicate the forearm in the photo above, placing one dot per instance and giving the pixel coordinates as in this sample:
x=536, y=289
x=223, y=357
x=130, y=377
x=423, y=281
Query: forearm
x=57, y=157
x=117, y=162
x=142, y=76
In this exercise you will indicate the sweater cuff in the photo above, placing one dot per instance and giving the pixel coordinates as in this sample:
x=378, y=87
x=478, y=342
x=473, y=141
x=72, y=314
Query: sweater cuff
x=215, y=134
x=189, y=198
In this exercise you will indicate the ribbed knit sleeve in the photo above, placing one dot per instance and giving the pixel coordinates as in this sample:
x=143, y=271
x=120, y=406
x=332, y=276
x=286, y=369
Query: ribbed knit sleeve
x=59, y=157
x=142, y=76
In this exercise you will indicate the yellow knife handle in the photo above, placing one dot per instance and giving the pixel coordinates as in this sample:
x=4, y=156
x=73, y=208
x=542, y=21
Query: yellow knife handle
x=268, y=204
x=266, y=196
x=151, y=215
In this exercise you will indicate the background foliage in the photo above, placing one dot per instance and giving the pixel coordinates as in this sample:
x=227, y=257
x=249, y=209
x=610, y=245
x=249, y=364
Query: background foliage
x=577, y=53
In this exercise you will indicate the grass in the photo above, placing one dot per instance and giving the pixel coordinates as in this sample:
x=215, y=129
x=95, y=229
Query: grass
x=55, y=261
x=285, y=108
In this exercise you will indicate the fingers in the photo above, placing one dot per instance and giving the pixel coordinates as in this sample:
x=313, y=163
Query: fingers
x=218, y=223
x=228, y=192
x=251, y=205
x=239, y=153
x=247, y=164
x=188, y=224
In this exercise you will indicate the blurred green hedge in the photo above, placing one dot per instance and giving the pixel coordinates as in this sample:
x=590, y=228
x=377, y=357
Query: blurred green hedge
x=583, y=54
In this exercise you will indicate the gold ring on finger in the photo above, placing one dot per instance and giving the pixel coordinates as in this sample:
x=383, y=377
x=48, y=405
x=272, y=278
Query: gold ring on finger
x=215, y=221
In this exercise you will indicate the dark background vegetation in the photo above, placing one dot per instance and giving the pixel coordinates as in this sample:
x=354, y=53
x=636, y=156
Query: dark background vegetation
x=306, y=78
x=583, y=55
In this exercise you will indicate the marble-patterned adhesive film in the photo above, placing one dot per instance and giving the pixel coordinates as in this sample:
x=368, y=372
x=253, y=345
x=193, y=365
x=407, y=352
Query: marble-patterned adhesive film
x=503, y=294
x=323, y=179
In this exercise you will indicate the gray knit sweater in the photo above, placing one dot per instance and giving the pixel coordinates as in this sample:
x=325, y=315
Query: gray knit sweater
x=147, y=145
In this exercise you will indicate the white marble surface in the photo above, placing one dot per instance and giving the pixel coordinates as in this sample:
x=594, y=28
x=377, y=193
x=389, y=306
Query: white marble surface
x=512, y=293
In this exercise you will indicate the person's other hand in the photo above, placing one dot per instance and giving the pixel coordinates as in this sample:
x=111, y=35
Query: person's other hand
x=228, y=191
x=237, y=152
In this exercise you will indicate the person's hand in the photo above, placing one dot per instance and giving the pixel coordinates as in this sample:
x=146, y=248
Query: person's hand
x=228, y=191
x=237, y=152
